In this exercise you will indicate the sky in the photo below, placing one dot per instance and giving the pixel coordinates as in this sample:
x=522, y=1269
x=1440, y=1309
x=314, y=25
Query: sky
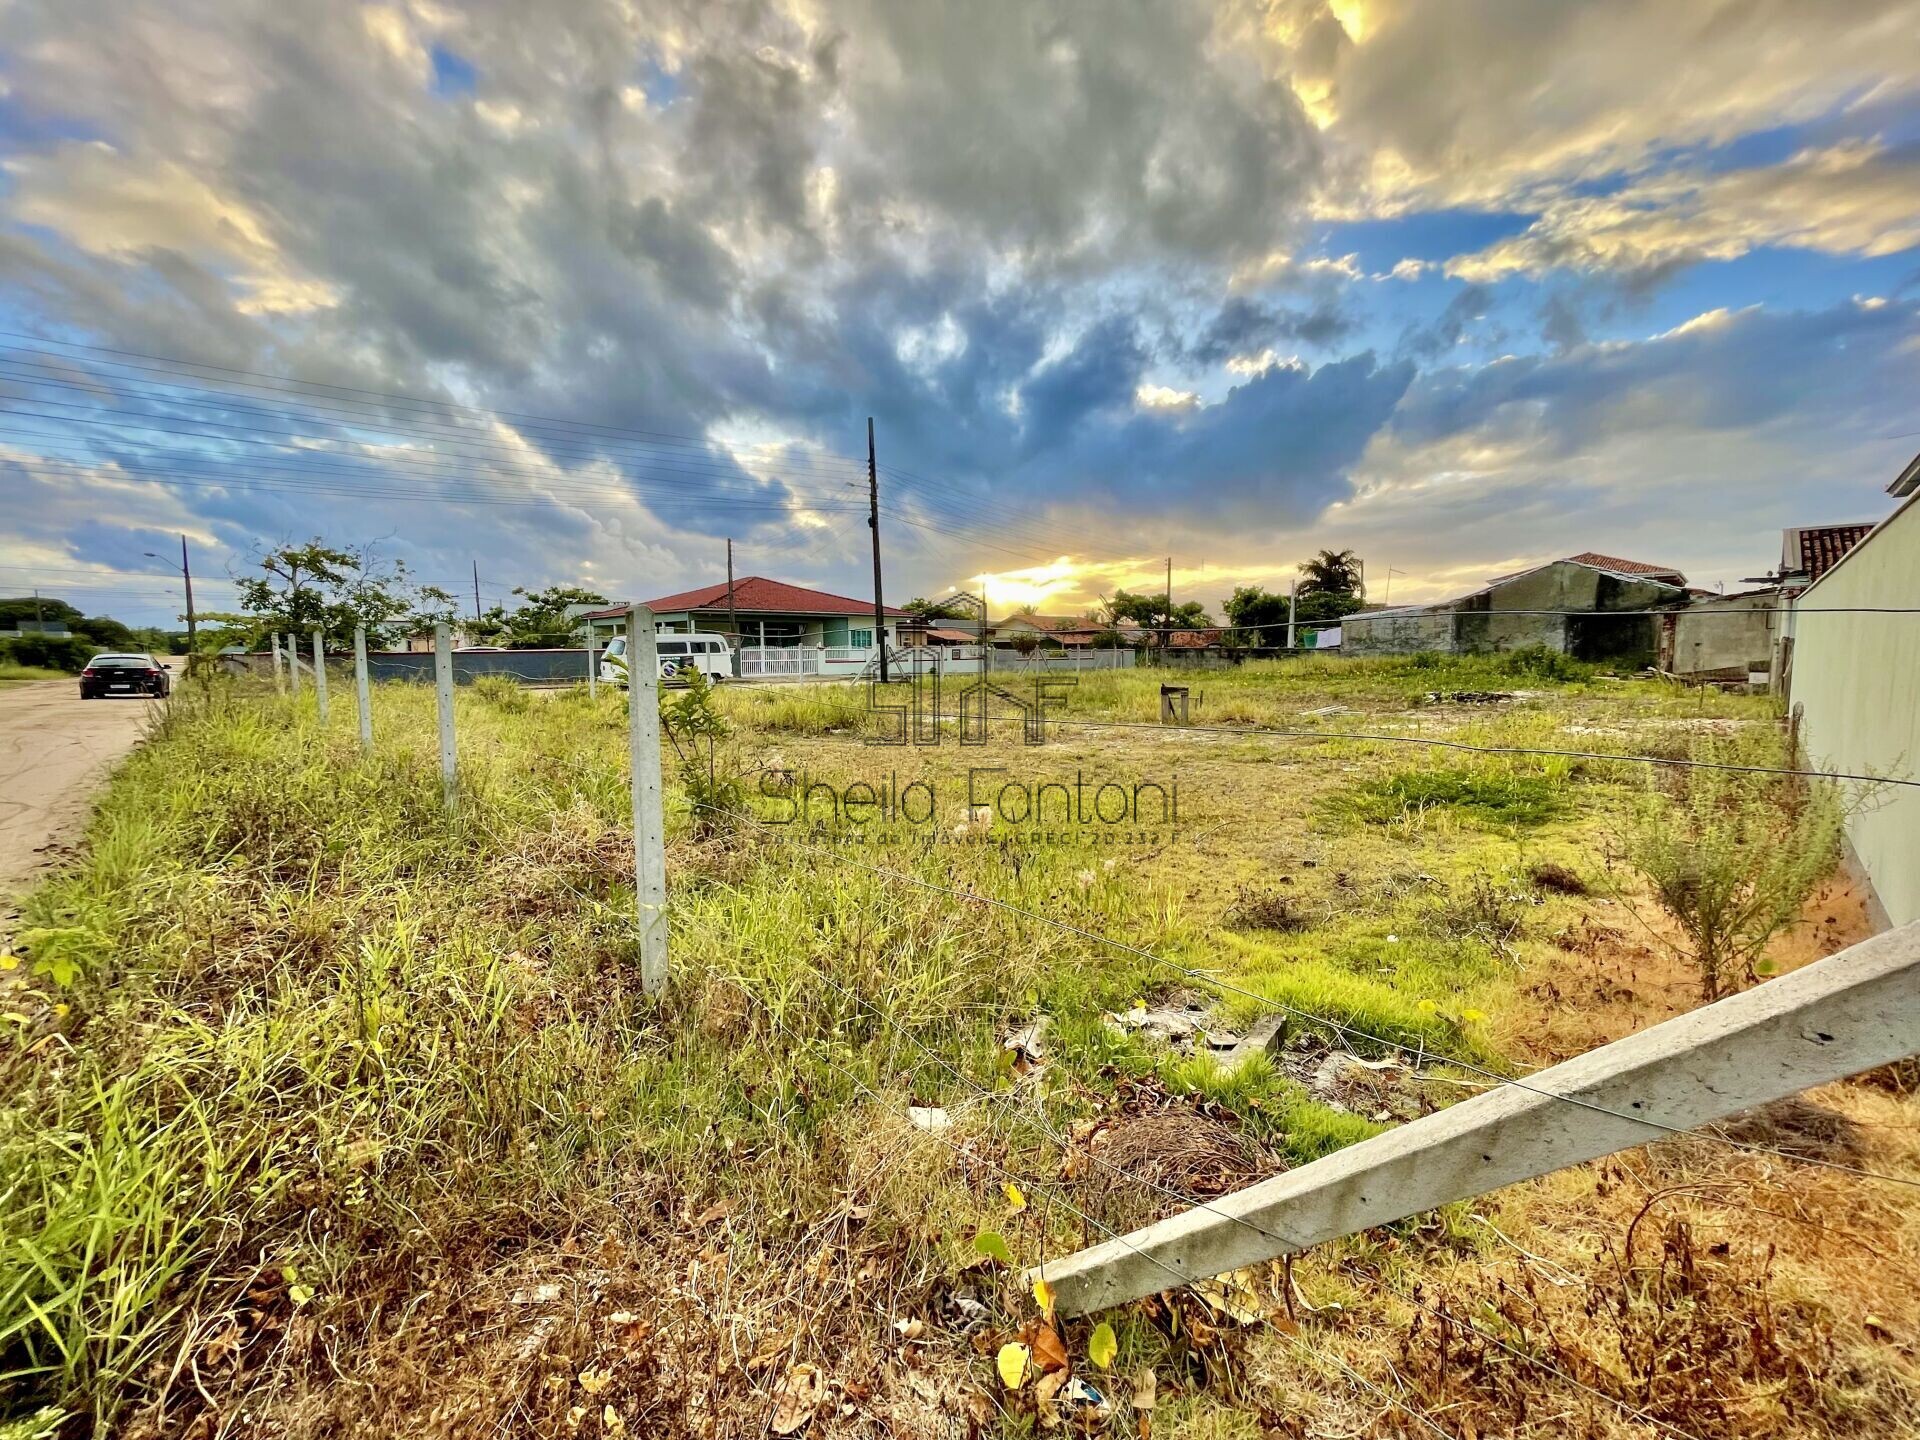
x=573, y=293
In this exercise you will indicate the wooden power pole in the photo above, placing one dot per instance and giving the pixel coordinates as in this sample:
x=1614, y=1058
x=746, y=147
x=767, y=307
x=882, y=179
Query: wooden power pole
x=873, y=522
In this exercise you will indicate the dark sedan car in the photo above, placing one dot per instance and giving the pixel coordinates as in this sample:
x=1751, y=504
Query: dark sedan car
x=124, y=675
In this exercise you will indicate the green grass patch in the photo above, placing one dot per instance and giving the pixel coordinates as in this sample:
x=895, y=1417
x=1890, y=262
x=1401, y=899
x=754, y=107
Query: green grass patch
x=1486, y=797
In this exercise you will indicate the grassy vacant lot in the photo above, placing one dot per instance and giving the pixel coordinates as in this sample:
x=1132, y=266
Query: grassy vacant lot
x=325, y=1111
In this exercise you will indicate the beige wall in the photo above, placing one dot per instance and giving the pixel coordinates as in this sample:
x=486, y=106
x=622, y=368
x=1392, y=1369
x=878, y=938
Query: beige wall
x=1857, y=681
x=1734, y=635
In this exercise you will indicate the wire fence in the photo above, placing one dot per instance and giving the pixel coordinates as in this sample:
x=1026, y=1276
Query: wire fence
x=1413, y=1050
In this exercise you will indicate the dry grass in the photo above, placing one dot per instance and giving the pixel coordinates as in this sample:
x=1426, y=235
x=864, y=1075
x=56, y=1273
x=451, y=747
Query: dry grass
x=418, y=1158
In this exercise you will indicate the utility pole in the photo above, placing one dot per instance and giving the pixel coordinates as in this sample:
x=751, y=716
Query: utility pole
x=1166, y=630
x=986, y=623
x=193, y=629
x=1293, y=587
x=873, y=521
x=39, y=615
x=733, y=615
x=476, y=601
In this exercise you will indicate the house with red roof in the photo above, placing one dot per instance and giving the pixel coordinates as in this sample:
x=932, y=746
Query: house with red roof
x=825, y=632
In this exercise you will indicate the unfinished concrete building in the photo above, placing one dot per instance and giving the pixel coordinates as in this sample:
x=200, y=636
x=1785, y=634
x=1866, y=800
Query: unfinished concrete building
x=1592, y=607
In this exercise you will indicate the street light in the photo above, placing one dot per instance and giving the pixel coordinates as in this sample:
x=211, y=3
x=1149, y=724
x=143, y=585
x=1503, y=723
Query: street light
x=186, y=574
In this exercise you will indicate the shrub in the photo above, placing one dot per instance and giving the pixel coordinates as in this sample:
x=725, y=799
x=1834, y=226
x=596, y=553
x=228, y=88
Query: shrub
x=49, y=652
x=694, y=726
x=504, y=692
x=1538, y=662
x=1731, y=854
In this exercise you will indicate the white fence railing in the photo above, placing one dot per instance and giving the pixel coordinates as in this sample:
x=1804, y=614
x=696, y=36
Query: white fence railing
x=781, y=661
x=759, y=662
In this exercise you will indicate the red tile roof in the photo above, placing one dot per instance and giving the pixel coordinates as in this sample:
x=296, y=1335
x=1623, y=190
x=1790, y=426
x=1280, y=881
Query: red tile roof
x=1822, y=546
x=756, y=595
x=1626, y=567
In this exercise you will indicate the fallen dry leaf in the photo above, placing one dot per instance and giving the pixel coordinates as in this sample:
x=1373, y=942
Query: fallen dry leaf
x=800, y=1395
x=1043, y=1398
x=1049, y=1352
x=1144, y=1389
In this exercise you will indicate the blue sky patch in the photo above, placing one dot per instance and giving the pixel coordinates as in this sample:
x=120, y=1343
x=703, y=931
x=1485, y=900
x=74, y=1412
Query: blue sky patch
x=453, y=74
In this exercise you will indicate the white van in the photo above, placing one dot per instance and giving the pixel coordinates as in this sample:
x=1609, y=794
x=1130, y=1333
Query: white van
x=678, y=654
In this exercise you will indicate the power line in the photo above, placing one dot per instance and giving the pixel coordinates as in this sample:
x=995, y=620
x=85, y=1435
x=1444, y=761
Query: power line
x=326, y=481
x=373, y=416
x=385, y=396
x=434, y=441
x=279, y=442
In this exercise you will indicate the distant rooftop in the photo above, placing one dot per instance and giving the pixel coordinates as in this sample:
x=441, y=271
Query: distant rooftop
x=1628, y=567
x=756, y=595
x=1812, y=550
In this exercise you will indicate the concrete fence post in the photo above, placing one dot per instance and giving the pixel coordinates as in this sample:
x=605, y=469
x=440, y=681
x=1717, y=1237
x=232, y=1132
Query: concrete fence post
x=649, y=814
x=593, y=667
x=320, y=674
x=293, y=660
x=1836, y=1017
x=443, y=695
x=361, y=690
x=279, y=665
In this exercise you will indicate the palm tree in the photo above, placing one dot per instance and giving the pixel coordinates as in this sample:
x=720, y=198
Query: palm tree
x=1331, y=572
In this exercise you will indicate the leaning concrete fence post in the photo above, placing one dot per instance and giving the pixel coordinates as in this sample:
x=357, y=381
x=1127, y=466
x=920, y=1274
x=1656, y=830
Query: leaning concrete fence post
x=443, y=686
x=293, y=660
x=592, y=665
x=320, y=674
x=360, y=688
x=279, y=666
x=1835, y=1017
x=649, y=816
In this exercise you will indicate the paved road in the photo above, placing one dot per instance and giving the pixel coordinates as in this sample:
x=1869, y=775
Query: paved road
x=55, y=749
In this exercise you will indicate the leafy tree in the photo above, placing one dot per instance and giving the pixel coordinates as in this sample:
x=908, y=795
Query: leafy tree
x=28, y=607
x=1331, y=572
x=107, y=633
x=1150, y=611
x=940, y=609
x=1324, y=606
x=101, y=632
x=540, y=622
x=318, y=586
x=49, y=652
x=1258, y=616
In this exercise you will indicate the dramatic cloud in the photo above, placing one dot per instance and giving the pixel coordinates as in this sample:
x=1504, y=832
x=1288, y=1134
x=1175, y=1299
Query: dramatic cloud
x=1235, y=279
x=1852, y=199
x=1475, y=101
